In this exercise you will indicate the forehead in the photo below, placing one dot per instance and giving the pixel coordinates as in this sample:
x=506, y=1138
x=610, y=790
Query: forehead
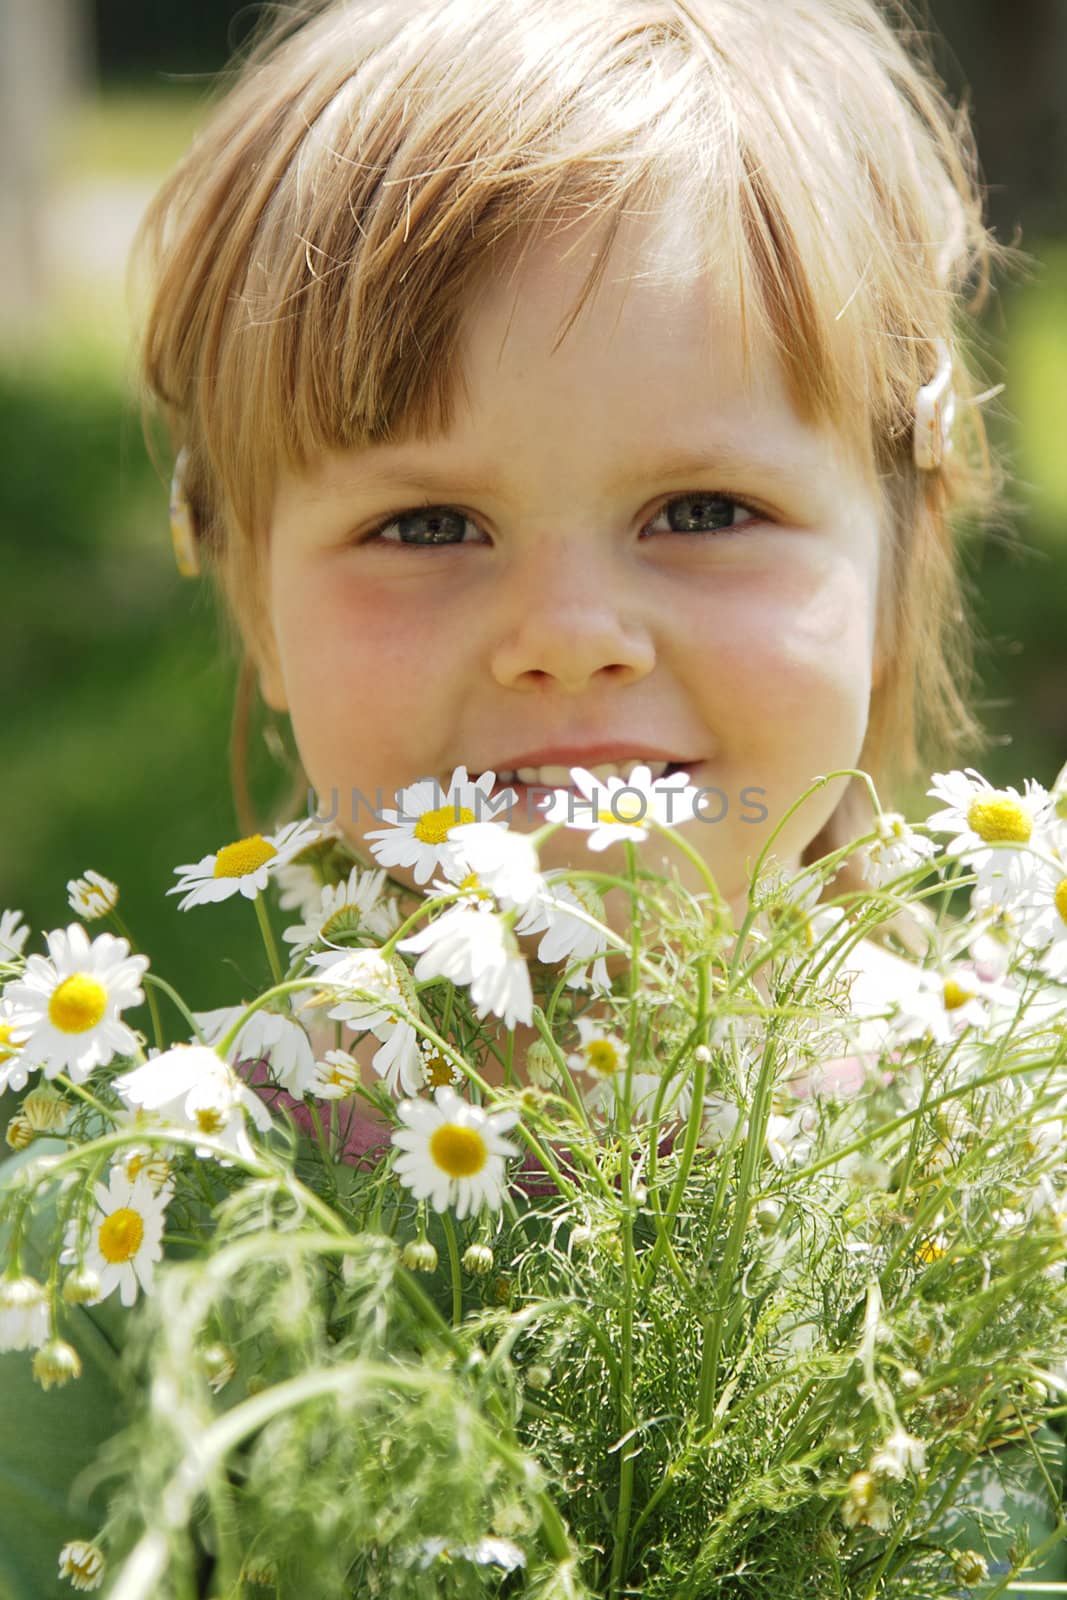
x=643, y=330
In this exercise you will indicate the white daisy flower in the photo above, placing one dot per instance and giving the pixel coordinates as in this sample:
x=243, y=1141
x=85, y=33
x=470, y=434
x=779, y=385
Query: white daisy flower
x=900, y=1454
x=1045, y=926
x=336, y=1076
x=266, y=1036
x=996, y=940
x=372, y=979
x=864, y=1506
x=601, y=1054
x=452, y=1153
x=569, y=937
x=298, y=883
x=505, y=863
x=790, y=1140
x=472, y=945
x=299, y=887
x=15, y=1029
x=125, y=1237
x=418, y=833
x=82, y=1564
x=992, y=828
x=192, y=1087
x=943, y=1004
x=436, y=1068
x=721, y=1117
x=897, y=849
x=243, y=867
x=486, y=1553
x=93, y=896
x=72, y=1000
x=616, y=808
x=371, y=998
x=343, y=909
x=13, y=935
x=25, y=1322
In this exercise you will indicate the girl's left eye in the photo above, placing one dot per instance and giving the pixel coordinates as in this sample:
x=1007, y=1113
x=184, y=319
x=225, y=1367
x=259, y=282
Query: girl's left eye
x=701, y=513
x=429, y=527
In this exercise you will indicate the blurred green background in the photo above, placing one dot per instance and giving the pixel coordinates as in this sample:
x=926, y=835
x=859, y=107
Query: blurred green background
x=118, y=694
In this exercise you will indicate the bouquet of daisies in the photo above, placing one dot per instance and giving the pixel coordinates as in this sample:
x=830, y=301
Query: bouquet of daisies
x=745, y=1279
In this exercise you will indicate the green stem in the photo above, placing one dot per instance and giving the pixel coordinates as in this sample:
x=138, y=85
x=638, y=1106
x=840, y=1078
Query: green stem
x=626, y=1327
x=268, y=939
x=453, y=1262
x=153, y=1006
x=152, y=980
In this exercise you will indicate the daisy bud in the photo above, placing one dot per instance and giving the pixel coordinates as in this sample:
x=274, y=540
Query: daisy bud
x=24, y=1319
x=419, y=1255
x=864, y=1506
x=263, y=1574
x=218, y=1364
x=540, y=1065
x=44, y=1110
x=768, y=1213
x=20, y=1132
x=970, y=1567
x=82, y=1564
x=478, y=1259
x=81, y=1287
x=582, y=1237
x=93, y=896
x=910, y=1379
x=611, y=1246
x=538, y=1377
x=56, y=1363
x=702, y=1054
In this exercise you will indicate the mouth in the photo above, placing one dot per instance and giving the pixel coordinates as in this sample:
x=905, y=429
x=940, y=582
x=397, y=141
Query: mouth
x=556, y=776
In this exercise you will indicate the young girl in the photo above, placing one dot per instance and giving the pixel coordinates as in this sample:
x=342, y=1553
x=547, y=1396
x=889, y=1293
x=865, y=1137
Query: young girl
x=573, y=385
x=577, y=382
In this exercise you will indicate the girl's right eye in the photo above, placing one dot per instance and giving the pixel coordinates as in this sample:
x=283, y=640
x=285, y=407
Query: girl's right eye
x=422, y=526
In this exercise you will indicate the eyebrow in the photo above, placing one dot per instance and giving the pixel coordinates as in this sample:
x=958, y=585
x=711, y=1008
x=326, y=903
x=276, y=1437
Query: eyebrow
x=783, y=468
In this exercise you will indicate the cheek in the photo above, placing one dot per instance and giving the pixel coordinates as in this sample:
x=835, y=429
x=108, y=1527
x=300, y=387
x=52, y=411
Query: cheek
x=359, y=675
x=791, y=652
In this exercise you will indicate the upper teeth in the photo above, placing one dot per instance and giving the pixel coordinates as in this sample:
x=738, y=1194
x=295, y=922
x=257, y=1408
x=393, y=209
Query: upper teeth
x=560, y=777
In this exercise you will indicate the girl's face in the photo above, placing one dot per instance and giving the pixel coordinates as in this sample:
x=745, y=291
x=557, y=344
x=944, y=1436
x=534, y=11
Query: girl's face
x=624, y=547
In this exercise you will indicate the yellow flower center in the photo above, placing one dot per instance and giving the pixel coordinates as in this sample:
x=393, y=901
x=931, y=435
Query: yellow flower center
x=77, y=1004
x=121, y=1234
x=602, y=1057
x=460, y=1152
x=1059, y=900
x=472, y=884
x=955, y=995
x=625, y=808
x=1000, y=820
x=432, y=826
x=7, y=1033
x=341, y=923
x=242, y=857
x=930, y=1250
x=437, y=1070
x=209, y=1119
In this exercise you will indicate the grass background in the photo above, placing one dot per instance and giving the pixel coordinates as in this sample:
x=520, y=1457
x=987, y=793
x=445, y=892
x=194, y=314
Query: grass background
x=118, y=695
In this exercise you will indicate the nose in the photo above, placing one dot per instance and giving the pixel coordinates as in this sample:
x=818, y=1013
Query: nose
x=569, y=622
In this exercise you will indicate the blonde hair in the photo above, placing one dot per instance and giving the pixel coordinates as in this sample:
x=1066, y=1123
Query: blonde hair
x=313, y=255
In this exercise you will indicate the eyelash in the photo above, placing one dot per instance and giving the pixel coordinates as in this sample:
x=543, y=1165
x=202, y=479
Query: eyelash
x=374, y=535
